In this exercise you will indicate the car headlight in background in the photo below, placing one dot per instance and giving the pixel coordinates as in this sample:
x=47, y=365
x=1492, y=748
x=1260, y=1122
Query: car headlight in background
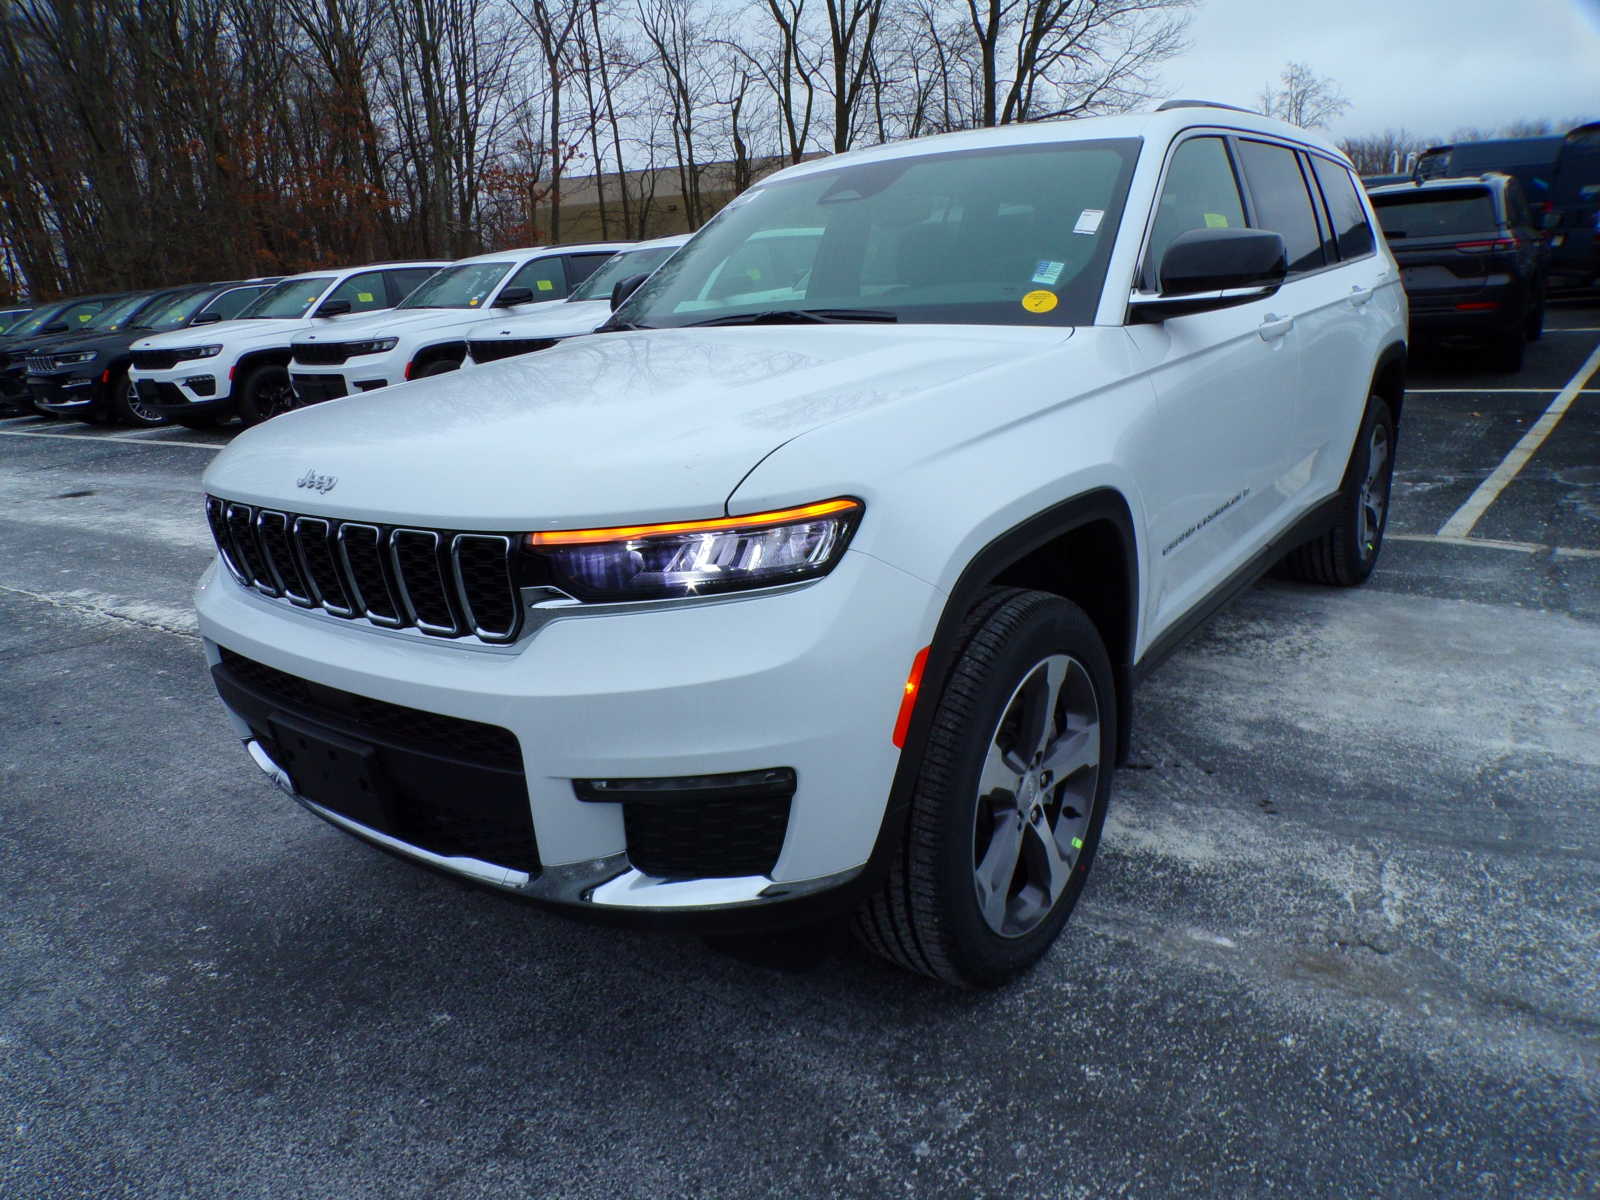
x=76, y=358
x=376, y=346
x=188, y=352
x=696, y=558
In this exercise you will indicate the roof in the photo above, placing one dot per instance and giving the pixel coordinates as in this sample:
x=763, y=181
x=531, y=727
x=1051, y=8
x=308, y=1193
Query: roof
x=544, y=251
x=1487, y=180
x=1161, y=125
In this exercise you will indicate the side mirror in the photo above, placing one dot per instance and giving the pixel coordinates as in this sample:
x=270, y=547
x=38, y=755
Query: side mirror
x=511, y=296
x=1207, y=269
x=206, y=319
x=332, y=308
x=56, y=327
x=625, y=288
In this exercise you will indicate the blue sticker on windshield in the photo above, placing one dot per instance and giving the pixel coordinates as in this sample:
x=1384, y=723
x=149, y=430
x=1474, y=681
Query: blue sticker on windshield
x=1048, y=271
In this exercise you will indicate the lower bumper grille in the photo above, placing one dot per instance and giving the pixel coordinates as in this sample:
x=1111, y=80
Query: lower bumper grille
x=455, y=787
x=314, y=389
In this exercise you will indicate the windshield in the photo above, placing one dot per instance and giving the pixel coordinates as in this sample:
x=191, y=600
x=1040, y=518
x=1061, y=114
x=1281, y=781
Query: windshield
x=1016, y=235
x=466, y=286
x=1453, y=212
x=7, y=320
x=291, y=298
x=114, y=315
x=173, y=312
x=36, y=320
x=619, y=267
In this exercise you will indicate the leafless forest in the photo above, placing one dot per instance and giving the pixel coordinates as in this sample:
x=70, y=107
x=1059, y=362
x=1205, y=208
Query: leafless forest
x=150, y=141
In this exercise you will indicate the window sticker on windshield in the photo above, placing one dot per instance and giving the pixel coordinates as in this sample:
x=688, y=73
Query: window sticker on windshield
x=1048, y=271
x=1039, y=301
x=546, y=285
x=364, y=297
x=1216, y=221
x=1089, y=220
x=473, y=302
x=82, y=317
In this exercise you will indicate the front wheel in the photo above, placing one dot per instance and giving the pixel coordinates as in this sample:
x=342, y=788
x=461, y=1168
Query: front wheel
x=265, y=393
x=129, y=408
x=1345, y=555
x=1009, y=799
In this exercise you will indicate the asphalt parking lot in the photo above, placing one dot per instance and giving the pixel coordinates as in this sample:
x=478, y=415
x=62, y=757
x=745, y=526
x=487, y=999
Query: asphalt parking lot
x=1343, y=937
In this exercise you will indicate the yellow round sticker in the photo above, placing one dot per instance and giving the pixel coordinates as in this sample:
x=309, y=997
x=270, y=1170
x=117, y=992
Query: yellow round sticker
x=1039, y=301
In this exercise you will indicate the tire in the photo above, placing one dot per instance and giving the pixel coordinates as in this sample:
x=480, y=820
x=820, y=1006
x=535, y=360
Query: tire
x=939, y=911
x=128, y=409
x=265, y=393
x=1345, y=555
x=1509, y=348
x=439, y=366
x=1535, y=329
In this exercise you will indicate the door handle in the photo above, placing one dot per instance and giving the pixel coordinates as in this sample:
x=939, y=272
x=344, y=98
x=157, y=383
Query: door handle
x=1273, y=327
x=1360, y=295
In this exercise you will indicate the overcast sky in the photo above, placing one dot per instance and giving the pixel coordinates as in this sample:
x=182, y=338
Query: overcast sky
x=1430, y=66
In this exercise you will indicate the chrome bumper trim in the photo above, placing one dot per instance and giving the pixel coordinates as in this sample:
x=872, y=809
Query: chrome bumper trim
x=610, y=882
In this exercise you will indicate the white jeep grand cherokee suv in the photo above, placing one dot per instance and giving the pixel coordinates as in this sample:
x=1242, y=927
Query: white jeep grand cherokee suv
x=426, y=333
x=584, y=311
x=201, y=376
x=744, y=612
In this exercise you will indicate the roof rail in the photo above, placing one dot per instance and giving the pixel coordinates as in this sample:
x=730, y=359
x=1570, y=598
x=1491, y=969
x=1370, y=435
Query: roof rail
x=1168, y=105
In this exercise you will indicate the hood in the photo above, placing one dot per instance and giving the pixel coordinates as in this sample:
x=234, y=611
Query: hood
x=388, y=322
x=613, y=429
x=565, y=319
x=232, y=332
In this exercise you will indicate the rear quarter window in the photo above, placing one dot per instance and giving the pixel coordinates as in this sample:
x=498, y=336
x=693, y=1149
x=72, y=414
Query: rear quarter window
x=1456, y=212
x=1352, y=234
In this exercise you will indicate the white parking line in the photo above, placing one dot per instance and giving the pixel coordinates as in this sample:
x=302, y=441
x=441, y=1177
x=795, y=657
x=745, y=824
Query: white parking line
x=92, y=437
x=1411, y=391
x=1478, y=503
x=1495, y=544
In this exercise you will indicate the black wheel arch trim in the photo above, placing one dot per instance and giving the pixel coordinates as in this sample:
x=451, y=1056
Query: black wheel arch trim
x=426, y=355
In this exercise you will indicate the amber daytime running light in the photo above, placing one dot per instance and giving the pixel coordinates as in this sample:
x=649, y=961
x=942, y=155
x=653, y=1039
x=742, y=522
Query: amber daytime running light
x=693, y=558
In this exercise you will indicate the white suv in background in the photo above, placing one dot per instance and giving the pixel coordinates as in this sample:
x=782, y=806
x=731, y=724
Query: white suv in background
x=827, y=589
x=426, y=333
x=582, y=312
x=200, y=377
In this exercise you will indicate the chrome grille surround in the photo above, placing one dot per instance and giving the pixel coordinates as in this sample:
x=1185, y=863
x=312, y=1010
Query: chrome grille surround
x=439, y=583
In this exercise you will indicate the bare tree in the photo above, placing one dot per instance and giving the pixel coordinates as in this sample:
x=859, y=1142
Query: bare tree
x=1386, y=153
x=1304, y=98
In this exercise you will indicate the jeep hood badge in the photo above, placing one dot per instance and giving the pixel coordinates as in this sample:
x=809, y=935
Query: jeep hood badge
x=321, y=483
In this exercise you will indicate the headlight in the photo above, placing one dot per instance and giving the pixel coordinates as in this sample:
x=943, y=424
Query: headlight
x=189, y=352
x=377, y=346
x=76, y=358
x=695, y=558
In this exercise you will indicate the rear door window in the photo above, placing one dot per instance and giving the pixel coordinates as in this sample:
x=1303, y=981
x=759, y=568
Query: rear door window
x=1351, y=231
x=581, y=266
x=364, y=291
x=1199, y=192
x=1437, y=212
x=1282, y=204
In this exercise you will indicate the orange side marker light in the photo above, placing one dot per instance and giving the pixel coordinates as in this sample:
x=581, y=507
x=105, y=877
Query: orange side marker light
x=908, y=702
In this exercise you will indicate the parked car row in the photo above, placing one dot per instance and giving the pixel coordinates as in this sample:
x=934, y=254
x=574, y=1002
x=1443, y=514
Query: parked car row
x=201, y=354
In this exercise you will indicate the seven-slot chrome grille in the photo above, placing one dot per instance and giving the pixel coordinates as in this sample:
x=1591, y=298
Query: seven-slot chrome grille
x=446, y=584
x=41, y=364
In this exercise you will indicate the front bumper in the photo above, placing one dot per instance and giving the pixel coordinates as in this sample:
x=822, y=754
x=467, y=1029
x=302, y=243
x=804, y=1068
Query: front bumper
x=314, y=384
x=191, y=388
x=809, y=679
x=67, y=393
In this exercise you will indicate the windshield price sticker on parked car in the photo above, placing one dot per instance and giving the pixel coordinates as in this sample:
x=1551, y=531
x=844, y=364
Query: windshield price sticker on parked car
x=1089, y=221
x=1048, y=272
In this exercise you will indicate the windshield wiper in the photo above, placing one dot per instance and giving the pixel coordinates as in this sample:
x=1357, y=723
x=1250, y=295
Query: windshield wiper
x=621, y=327
x=804, y=316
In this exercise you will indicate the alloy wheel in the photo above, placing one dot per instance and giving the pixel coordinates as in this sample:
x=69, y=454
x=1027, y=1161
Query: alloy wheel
x=1375, y=491
x=134, y=403
x=1036, y=795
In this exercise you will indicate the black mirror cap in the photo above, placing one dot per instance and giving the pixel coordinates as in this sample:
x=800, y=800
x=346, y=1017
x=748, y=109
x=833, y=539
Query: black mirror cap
x=1213, y=260
x=516, y=295
x=206, y=319
x=625, y=288
x=56, y=327
x=333, y=308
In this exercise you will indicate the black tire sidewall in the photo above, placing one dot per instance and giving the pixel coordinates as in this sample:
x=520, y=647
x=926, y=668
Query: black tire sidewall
x=1054, y=626
x=249, y=406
